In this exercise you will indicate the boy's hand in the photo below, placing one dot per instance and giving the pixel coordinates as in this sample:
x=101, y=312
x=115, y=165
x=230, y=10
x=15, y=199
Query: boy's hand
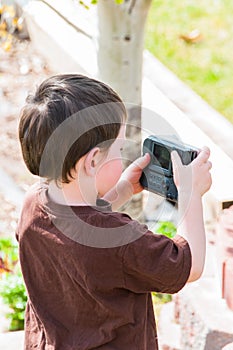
x=195, y=176
x=128, y=183
x=192, y=181
x=132, y=174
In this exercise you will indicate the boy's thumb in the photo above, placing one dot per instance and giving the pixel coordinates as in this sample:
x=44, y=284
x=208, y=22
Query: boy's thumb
x=143, y=161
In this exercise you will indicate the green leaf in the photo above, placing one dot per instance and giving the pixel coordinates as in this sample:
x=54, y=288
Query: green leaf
x=166, y=228
x=84, y=4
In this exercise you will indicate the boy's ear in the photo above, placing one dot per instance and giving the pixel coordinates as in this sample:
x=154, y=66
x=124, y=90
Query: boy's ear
x=91, y=161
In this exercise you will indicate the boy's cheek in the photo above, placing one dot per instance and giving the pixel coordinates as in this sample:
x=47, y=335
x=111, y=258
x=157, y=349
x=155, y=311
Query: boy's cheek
x=108, y=175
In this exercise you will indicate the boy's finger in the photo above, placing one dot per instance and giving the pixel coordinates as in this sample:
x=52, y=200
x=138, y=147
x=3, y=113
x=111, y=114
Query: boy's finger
x=176, y=161
x=204, y=154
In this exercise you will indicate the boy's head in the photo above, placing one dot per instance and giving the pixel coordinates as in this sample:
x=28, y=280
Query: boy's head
x=83, y=111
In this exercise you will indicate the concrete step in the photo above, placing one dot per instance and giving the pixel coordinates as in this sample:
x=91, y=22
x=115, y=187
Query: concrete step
x=12, y=340
x=169, y=332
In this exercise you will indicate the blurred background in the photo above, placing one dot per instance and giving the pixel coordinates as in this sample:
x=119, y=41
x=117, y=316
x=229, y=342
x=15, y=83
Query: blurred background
x=166, y=58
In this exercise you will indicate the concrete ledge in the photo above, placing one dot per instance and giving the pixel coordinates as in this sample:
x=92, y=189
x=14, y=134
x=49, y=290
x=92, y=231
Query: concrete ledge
x=200, y=112
x=66, y=49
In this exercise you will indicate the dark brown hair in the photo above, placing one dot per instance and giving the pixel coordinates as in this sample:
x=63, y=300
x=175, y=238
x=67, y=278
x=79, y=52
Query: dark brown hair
x=66, y=117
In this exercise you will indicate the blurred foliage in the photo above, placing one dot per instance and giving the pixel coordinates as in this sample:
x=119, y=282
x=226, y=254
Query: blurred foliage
x=194, y=39
x=10, y=25
x=86, y=4
x=167, y=229
x=12, y=288
x=13, y=293
x=8, y=255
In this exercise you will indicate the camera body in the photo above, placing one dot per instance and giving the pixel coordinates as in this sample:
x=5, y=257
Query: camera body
x=157, y=177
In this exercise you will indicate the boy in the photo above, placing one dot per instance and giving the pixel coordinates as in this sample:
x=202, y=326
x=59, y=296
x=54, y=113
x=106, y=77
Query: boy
x=88, y=269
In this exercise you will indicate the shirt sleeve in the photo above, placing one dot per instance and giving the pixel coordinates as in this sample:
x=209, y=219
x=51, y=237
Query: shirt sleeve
x=156, y=263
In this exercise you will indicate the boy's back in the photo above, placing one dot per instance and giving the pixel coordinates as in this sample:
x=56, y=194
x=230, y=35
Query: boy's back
x=82, y=297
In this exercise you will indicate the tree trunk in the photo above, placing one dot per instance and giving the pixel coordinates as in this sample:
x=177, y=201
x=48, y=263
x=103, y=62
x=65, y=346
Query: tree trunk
x=120, y=57
x=120, y=46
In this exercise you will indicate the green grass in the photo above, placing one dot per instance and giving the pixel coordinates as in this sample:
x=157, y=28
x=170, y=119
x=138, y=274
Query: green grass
x=205, y=66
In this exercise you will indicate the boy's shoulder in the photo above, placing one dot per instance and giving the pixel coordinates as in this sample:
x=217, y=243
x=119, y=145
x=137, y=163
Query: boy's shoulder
x=94, y=226
x=31, y=196
x=105, y=228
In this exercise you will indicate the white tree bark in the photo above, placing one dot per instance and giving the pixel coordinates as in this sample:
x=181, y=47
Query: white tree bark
x=120, y=46
x=120, y=62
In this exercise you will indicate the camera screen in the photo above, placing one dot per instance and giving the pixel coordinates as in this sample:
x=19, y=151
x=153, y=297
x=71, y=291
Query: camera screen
x=162, y=156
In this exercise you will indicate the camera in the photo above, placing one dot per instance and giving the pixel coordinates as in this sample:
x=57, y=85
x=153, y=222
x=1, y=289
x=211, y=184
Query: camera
x=157, y=177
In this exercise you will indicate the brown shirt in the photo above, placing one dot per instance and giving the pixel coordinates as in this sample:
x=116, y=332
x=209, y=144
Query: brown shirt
x=84, y=295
